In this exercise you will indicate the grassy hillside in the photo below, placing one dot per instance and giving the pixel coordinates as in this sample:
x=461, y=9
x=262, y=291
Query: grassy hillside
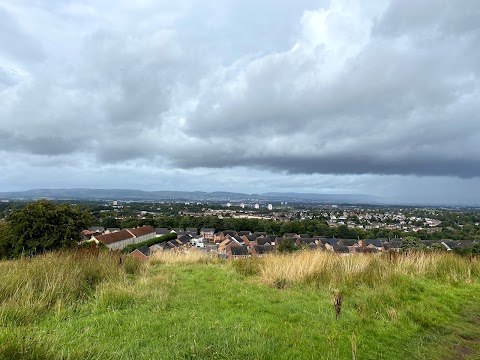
x=99, y=305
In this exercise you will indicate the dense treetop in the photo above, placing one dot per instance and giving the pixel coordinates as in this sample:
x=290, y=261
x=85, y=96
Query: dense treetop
x=42, y=226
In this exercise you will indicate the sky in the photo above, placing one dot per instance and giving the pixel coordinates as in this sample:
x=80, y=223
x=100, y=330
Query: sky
x=341, y=96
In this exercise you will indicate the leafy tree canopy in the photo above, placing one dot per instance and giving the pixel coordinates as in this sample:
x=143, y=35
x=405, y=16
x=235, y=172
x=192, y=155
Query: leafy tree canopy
x=411, y=243
x=43, y=226
x=286, y=246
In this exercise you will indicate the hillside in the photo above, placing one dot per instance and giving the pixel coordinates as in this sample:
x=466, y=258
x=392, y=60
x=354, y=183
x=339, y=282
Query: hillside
x=139, y=195
x=279, y=307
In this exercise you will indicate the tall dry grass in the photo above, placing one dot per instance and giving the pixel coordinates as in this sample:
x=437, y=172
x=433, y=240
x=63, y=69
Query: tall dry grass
x=335, y=270
x=30, y=287
x=191, y=257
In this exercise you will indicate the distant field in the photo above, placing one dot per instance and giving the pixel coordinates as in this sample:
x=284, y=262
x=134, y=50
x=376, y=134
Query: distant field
x=103, y=306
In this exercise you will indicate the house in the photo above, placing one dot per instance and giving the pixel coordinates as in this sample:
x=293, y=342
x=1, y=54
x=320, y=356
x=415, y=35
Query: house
x=97, y=229
x=119, y=239
x=192, y=231
x=365, y=250
x=249, y=240
x=261, y=250
x=350, y=243
x=457, y=244
x=305, y=241
x=222, y=246
x=178, y=231
x=162, y=231
x=319, y=239
x=156, y=248
x=111, y=230
x=342, y=249
x=197, y=242
x=392, y=245
x=259, y=233
x=242, y=233
x=218, y=237
x=374, y=243
x=264, y=241
x=225, y=245
x=185, y=239
x=331, y=244
x=87, y=234
x=93, y=231
x=239, y=239
x=142, y=253
x=174, y=244
x=207, y=233
x=221, y=235
x=347, y=242
x=236, y=252
x=143, y=233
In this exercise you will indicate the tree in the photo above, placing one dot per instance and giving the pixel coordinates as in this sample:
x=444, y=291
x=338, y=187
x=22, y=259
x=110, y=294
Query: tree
x=4, y=243
x=43, y=226
x=476, y=249
x=411, y=243
x=286, y=246
x=437, y=247
x=111, y=222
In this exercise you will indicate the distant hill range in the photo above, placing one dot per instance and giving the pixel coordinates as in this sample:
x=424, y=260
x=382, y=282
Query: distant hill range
x=139, y=195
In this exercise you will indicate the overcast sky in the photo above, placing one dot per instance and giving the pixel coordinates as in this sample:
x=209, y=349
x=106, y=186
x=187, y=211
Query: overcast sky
x=341, y=96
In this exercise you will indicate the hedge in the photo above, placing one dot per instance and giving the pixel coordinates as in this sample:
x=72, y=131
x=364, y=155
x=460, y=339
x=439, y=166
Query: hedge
x=157, y=240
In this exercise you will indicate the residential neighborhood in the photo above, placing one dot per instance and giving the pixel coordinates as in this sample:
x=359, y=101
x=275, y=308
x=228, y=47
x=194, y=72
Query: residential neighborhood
x=233, y=244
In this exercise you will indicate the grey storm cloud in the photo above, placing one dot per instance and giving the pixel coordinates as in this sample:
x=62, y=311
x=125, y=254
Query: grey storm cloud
x=332, y=87
x=17, y=43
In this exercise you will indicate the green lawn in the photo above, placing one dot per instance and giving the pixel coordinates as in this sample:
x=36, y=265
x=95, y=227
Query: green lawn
x=212, y=311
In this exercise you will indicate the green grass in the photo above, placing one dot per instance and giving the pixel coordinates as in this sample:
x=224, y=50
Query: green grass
x=201, y=308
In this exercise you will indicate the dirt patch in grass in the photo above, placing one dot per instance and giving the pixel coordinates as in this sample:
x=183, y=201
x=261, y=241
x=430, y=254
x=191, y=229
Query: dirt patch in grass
x=469, y=341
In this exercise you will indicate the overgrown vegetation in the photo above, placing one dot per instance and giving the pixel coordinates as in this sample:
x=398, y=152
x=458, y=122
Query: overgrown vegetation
x=327, y=269
x=97, y=304
x=33, y=287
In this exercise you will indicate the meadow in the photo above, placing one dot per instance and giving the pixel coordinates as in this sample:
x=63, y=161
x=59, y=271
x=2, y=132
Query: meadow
x=101, y=305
